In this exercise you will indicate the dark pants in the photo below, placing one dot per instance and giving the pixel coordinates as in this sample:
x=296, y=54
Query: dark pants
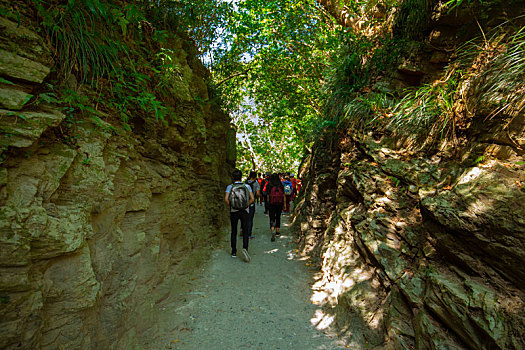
x=265, y=203
x=234, y=220
x=275, y=215
x=250, y=220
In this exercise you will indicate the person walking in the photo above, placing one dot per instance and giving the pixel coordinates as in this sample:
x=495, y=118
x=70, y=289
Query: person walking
x=288, y=191
x=275, y=198
x=265, y=195
x=293, y=180
x=260, y=182
x=239, y=197
x=256, y=190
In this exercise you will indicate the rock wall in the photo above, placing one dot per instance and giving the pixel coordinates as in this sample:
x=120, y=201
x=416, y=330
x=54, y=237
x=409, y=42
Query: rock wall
x=95, y=232
x=420, y=250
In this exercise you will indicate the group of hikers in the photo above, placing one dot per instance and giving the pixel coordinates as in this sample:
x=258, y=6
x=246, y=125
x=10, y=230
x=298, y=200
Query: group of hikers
x=274, y=191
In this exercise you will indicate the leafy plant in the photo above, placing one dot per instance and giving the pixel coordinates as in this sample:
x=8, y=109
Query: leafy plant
x=395, y=181
x=80, y=32
x=422, y=108
x=5, y=81
x=413, y=18
x=500, y=82
x=480, y=159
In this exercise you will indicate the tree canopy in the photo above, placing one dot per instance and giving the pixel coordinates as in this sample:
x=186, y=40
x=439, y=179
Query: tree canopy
x=270, y=64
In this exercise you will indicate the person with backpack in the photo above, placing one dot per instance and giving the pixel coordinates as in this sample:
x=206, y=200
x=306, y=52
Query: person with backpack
x=239, y=197
x=256, y=190
x=275, y=197
x=288, y=191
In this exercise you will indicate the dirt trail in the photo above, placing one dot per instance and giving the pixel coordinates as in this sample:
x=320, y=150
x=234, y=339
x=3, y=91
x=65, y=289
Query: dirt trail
x=264, y=304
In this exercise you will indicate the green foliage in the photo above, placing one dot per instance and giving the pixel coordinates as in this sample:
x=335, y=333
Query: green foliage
x=48, y=97
x=112, y=46
x=168, y=68
x=77, y=103
x=11, y=14
x=266, y=145
x=501, y=82
x=203, y=20
x=413, y=18
x=493, y=69
x=348, y=73
x=273, y=57
x=81, y=33
x=130, y=93
x=480, y=159
x=5, y=81
x=359, y=59
x=395, y=181
x=422, y=107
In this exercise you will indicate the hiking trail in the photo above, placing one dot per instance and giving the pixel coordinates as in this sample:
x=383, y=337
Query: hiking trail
x=264, y=304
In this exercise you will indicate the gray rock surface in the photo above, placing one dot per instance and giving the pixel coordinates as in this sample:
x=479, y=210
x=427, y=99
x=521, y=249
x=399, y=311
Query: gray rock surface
x=95, y=225
x=13, y=99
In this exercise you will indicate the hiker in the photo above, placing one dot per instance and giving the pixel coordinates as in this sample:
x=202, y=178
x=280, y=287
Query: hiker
x=293, y=180
x=256, y=190
x=275, y=197
x=288, y=191
x=263, y=188
x=239, y=197
x=260, y=182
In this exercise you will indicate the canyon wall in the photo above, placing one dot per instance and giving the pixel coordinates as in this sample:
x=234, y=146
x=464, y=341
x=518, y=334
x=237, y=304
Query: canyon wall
x=98, y=223
x=421, y=247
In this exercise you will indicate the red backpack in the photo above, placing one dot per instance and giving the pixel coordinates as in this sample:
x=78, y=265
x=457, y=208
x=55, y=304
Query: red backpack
x=276, y=195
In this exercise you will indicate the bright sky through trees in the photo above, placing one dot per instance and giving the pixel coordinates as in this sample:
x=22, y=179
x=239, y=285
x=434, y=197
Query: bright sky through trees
x=268, y=62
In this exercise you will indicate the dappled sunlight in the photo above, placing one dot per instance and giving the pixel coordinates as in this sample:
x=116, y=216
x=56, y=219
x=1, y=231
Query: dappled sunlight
x=470, y=176
x=319, y=297
x=345, y=280
x=322, y=321
x=273, y=251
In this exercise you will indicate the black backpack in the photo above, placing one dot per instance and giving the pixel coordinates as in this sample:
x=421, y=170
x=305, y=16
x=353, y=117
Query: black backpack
x=239, y=197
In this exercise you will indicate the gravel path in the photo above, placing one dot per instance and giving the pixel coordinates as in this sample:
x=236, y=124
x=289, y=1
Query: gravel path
x=264, y=304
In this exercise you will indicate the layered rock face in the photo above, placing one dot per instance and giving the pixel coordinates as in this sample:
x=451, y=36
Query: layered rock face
x=93, y=233
x=420, y=250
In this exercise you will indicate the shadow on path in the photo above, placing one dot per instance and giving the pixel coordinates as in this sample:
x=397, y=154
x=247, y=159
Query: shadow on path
x=264, y=304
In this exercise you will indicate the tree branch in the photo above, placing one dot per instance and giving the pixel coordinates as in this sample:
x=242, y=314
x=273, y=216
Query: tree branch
x=232, y=76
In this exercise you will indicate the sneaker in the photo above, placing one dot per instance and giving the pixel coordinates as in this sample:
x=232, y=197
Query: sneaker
x=245, y=255
x=277, y=234
x=252, y=237
x=234, y=255
x=273, y=237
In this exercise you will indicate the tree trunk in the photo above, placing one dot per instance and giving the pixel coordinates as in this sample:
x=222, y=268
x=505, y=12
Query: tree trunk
x=338, y=11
